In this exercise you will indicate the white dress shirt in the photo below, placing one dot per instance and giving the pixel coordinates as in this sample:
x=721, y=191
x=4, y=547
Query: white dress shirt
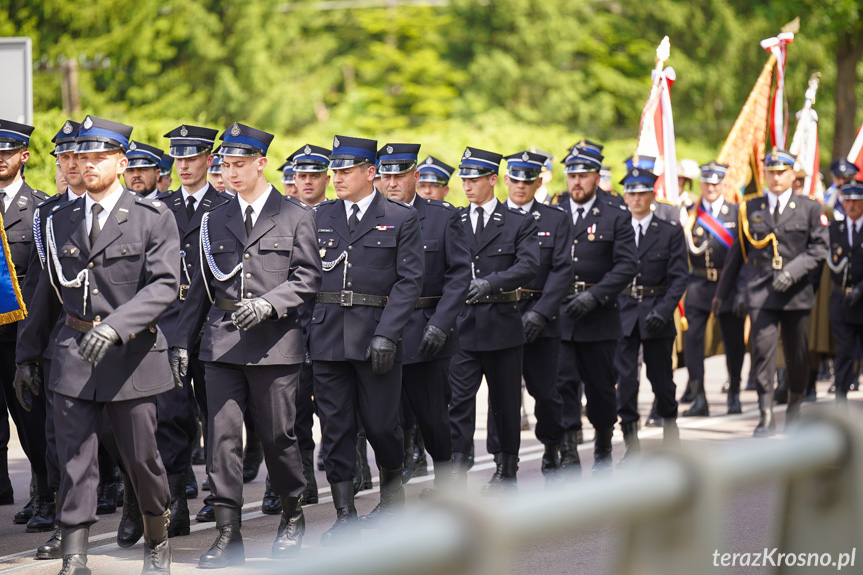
x=713, y=207
x=363, y=204
x=199, y=195
x=525, y=208
x=782, y=198
x=853, y=226
x=643, y=223
x=107, y=203
x=257, y=205
x=487, y=209
x=11, y=191
x=586, y=206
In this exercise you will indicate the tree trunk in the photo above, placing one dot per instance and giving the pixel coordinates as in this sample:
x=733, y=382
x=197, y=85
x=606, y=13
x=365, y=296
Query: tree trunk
x=849, y=50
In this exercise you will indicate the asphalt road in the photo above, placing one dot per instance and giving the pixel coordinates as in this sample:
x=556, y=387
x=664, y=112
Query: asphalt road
x=748, y=522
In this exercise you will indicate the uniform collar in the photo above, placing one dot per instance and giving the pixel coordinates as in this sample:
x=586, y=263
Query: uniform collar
x=363, y=204
x=199, y=195
x=257, y=205
x=107, y=203
x=525, y=208
x=713, y=207
x=12, y=190
x=643, y=222
x=586, y=205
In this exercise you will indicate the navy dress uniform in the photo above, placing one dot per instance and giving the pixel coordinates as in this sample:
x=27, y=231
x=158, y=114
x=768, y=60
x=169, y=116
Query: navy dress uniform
x=142, y=155
x=846, y=299
x=504, y=256
x=176, y=408
x=115, y=274
x=373, y=275
x=710, y=231
x=308, y=159
x=539, y=303
x=604, y=262
x=783, y=238
x=18, y=203
x=646, y=314
x=261, y=266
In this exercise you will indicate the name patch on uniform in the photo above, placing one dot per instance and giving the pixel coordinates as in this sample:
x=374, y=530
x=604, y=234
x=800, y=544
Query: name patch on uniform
x=325, y=230
x=382, y=228
x=543, y=234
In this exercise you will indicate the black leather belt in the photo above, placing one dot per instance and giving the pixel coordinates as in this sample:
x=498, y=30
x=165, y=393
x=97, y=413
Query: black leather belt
x=710, y=274
x=79, y=324
x=499, y=298
x=529, y=294
x=641, y=292
x=428, y=301
x=349, y=299
x=227, y=304
x=578, y=287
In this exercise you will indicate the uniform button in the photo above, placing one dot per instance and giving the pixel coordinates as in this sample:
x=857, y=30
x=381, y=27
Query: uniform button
x=575, y=242
x=97, y=318
x=284, y=315
x=275, y=245
x=123, y=251
x=89, y=266
x=350, y=284
x=498, y=250
x=476, y=258
x=95, y=292
x=639, y=261
x=350, y=265
x=425, y=247
x=249, y=294
x=131, y=336
x=775, y=230
x=350, y=247
x=188, y=246
x=221, y=247
x=246, y=256
x=575, y=259
x=379, y=243
x=248, y=276
x=155, y=346
x=189, y=266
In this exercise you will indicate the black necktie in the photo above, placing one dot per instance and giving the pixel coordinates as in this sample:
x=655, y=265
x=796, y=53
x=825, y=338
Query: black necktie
x=354, y=220
x=638, y=235
x=2, y=202
x=855, y=236
x=480, y=222
x=249, y=211
x=776, y=211
x=190, y=207
x=580, y=212
x=95, y=228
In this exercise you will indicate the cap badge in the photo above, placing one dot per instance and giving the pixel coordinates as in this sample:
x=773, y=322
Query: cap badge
x=635, y=172
x=183, y=131
x=133, y=146
x=307, y=150
x=336, y=143
x=67, y=128
x=235, y=130
x=389, y=149
x=429, y=161
x=467, y=153
x=88, y=123
x=525, y=157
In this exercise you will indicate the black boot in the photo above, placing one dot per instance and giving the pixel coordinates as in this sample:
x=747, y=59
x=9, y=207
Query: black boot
x=688, y=393
x=751, y=384
x=699, y=407
x=44, y=510
x=392, y=501
x=670, y=433
x=734, y=396
x=570, y=464
x=602, y=450
x=420, y=463
x=131, y=527
x=792, y=413
x=508, y=470
x=811, y=393
x=363, y=476
x=631, y=444
x=191, y=483
x=180, y=523
x=780, y=394
x=493, y=484
x=228, y=548
x=347, y=526
x=766, y=426
x=551, y=459
x=23, y=515
x=157, y=549
x=271, y=504
x=442, y=480
x=310, y=493
x=409, y=453
x=7, y=494
x=289, y=539
x=199, y=455
x=74, y=550
x=206, y=515
x=52, y=549
x=653, y=420
x=253, y=456
x=109, y=477
x=320, y=461
x=205, y=484
x=470, y=456
x=460, y=465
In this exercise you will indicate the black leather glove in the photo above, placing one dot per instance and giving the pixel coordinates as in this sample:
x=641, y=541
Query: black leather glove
x=716, y=307
x=252, y=312
x=382, y=352
x=740, y=308
x=654, y=322
x=96, y=342
x=579, y=305
x=26, y=383
x=783, y=281
x=179, y=359
x=533, y=323
x=853, y=297
x=478, y=288
x=433, y=341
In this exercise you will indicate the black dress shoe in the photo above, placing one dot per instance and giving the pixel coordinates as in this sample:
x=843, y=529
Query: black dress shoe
x=199, y=456
x=107, y=498
x=205, y=484
x=228, y=549
x=180, y=523
x=347, y=525
x=25, y=513
x=289, y=539
x=52, y=549
x=131, y=526
x=271, y=504
x=206, y=514
x=43, y=515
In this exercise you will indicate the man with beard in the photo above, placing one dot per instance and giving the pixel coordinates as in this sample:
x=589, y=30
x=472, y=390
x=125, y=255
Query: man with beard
x=18, y=203
x=433, y=179
x=119, y=251
x=143, y=172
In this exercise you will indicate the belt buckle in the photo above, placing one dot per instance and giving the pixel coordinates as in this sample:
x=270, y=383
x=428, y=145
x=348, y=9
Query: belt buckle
x=638, y=292
x=847, y=290
x=184, y=289
x=346, y=298
x=96, y=321
x=579, y=287
x=712, y=274
x=777, y=262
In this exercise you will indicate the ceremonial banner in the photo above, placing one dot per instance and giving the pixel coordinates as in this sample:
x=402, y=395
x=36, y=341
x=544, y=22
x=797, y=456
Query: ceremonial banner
x=656, y=130
x=11, y=303
x=778, y=105
x=855, y=156
x=804, y=145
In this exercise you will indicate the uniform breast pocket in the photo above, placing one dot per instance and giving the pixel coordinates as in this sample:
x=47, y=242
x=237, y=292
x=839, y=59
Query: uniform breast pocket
x=123, y=262
x=276, y=253
x=500, y=250
x=797, y=228
x=431, y=247
x=224, y=253
x=658, y=256
x=380, y=252
x=20, y=233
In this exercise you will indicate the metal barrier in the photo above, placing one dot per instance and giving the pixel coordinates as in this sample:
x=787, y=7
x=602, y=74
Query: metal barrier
x=670, y=506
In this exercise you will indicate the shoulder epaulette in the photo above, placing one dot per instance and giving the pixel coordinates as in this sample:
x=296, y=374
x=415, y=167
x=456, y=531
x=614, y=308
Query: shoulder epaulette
x=518, y=211
x=164, y=195
x=155, y=204
x=440, y=204
x=398, y=203
x=64, y=205
x=297, y=202
x=51, y=199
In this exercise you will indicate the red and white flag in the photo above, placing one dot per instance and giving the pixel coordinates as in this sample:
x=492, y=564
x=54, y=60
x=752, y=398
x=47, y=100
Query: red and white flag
x=855, y=156
x=778, y=104
x=804, y=145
